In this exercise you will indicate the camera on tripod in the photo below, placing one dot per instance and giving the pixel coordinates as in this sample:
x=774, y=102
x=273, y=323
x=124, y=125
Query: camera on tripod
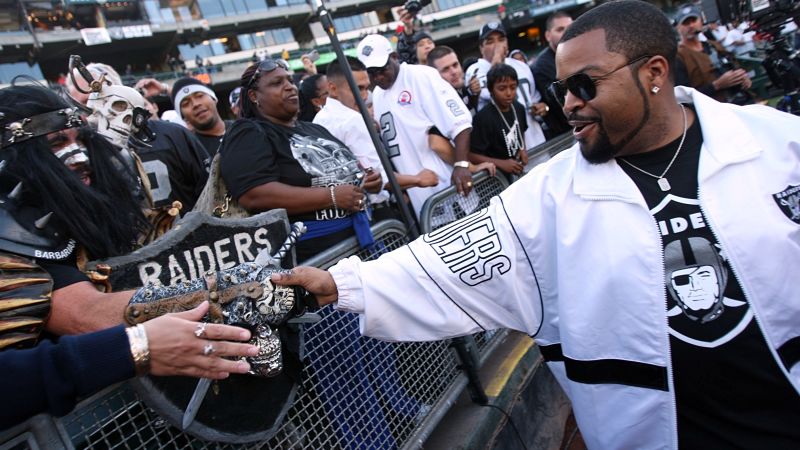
x=768, y=17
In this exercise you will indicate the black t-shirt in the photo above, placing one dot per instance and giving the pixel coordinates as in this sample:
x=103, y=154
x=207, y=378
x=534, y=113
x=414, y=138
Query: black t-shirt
x=544, y=69
x=256, y=152
x=64, y=272
x=176, y=164
x=211, y=143
x=544, y=74
x=492, y=137
x=470, y=100
x=730, y=391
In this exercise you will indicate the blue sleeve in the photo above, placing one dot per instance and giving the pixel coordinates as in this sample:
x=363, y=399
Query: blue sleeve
x=52, y=377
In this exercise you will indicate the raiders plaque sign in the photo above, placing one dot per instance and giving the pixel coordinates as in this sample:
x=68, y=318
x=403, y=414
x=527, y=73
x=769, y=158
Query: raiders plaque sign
x=197, y=244
x=242, y=408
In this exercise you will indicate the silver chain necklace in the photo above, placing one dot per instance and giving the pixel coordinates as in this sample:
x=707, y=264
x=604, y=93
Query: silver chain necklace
x=512, y=153
x=662, y=182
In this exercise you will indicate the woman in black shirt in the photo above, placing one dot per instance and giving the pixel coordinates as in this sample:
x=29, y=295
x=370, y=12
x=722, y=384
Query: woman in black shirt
x=269, y=159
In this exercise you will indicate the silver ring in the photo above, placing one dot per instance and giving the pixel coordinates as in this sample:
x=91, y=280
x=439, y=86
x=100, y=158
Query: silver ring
x=208, y=349
x=469, y=183
x=360, y=201
x=201, y=330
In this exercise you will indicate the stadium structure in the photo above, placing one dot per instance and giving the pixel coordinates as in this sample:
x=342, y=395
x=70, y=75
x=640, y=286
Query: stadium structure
x=167, y=38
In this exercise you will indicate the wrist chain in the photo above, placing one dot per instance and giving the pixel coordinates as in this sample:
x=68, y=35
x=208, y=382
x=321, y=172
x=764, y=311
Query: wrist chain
x=333, y=196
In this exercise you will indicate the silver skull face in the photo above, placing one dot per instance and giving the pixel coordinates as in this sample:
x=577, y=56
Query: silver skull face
x=113, y=112
x=269, y=361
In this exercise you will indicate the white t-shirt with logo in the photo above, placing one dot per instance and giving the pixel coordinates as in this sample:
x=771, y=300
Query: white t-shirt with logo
x=527, y=94
x=418, y=100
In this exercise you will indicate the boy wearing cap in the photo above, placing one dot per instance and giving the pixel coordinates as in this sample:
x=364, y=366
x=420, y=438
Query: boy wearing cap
x=196, y=104
x=494, y=50
x=408, y=100
x=423, y=43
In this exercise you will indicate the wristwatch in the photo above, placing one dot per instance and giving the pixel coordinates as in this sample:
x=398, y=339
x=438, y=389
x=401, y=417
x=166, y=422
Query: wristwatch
x=462, y=164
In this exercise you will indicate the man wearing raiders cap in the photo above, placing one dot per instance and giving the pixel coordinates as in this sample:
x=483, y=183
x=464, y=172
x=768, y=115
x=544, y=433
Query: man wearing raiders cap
x=175, y=160
x=196, y=104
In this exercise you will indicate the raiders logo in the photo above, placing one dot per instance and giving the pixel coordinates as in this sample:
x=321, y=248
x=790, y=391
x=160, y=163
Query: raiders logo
x=788, y=201
x=366, y=51
x=705, y=305
x=139, y=117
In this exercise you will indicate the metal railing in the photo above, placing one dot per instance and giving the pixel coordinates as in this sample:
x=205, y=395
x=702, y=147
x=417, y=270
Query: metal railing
x=446, y=206
x=547, y=150
x=356, y=392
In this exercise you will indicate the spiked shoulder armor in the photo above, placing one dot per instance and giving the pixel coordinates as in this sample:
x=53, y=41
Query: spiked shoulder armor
x=26, y=230
x=25, y=290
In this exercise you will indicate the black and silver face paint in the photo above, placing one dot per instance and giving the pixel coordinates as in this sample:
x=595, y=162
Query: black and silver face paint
x=73, y=154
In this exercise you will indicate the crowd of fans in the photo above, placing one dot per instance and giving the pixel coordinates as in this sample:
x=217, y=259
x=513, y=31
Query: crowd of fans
x=298, y=142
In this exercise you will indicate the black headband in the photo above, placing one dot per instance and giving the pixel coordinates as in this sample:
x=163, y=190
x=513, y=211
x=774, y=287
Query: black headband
x=38, y=125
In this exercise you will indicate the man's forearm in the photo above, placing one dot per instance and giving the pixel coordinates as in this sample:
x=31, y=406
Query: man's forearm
x=80, y=308
x=477, y=158
x=462, y=145
x=405, y=181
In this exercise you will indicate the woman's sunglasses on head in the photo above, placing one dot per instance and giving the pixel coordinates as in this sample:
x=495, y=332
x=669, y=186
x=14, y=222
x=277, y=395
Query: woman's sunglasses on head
x=267, y=65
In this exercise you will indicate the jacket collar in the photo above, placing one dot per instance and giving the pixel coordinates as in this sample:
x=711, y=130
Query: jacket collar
x=726, y=140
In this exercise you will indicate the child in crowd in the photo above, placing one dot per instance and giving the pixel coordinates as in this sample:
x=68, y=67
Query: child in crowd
x=498, y=128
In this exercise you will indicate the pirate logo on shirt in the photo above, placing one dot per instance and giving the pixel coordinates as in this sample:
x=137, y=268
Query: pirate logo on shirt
x=705, y=305
x=328, y=162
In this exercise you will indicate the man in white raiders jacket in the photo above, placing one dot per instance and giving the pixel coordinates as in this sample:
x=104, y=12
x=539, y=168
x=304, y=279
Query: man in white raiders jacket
x=655, y=262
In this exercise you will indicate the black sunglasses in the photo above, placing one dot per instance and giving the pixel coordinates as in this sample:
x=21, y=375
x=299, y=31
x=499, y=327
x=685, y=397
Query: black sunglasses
x=582, y=85
x=267, y=65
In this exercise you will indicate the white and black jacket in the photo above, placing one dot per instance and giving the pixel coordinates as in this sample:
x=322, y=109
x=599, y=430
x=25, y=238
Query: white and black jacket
x=571, y=255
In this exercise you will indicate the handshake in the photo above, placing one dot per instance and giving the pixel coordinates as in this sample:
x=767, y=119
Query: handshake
x=242, y=296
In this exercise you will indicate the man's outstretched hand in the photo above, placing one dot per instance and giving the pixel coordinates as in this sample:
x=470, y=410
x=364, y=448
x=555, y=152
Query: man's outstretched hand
x=317, y=282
